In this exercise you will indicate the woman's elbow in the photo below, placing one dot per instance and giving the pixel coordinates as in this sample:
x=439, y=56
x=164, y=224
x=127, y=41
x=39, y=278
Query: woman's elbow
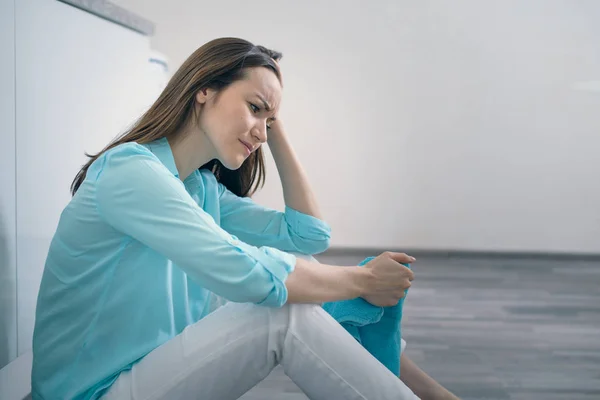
x=313, y=246
x=276, y=297
x=308, y=234
x=322, y=245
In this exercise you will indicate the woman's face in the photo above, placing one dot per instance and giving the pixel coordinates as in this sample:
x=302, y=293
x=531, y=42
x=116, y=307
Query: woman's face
x=235, y=119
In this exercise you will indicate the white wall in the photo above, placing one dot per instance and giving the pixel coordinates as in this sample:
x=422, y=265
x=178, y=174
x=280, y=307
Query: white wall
x=80, y=81
x=429, y=124
x=8, y=293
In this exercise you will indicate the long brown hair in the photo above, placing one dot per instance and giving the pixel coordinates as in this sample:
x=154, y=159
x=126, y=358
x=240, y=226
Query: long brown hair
x=215, y=65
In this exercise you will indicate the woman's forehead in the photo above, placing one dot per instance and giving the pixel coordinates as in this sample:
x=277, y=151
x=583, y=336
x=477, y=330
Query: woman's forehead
x=264, y=82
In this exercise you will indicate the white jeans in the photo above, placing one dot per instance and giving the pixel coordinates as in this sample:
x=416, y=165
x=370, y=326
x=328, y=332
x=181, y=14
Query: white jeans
x=232, y=349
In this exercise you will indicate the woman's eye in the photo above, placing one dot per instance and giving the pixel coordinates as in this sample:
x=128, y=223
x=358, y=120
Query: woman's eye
x=254, y=108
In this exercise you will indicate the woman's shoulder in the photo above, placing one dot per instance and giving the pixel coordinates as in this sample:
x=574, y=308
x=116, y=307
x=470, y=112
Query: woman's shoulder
x=126, y=150
x=122, y=155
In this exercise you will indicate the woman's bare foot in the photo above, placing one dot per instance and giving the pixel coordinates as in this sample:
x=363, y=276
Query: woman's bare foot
x=422, y=384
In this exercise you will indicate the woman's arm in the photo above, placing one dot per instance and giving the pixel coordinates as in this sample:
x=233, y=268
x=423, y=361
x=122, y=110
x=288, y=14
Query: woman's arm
x=311, y=282
x=297, y=192
x=382, y=281
x=137, y=196
x=290, y=231
x=299, y=229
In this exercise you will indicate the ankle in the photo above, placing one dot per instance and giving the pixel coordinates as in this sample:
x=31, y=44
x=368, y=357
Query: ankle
x=438, y=393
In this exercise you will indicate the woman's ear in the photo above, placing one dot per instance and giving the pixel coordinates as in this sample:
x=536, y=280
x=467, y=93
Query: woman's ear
x=202, y=96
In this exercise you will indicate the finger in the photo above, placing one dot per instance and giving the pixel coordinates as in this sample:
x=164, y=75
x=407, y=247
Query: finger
x=401, y=257
x=391, y=303
x=410, y=273
x=402, y=286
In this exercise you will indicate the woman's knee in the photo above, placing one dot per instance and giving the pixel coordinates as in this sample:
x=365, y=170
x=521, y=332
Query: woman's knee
x=294, y=313
x=303, y=310
x=281, y=315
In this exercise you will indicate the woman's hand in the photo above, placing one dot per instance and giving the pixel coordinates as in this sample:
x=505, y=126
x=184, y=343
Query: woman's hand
x=275, y=130
x=388, y=279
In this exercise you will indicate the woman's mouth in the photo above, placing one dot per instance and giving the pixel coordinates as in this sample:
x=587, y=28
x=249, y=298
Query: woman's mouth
x=247, y=147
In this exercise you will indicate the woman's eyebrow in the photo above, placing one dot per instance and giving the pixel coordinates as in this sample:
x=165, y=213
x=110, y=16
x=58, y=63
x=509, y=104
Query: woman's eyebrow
x=265, y=104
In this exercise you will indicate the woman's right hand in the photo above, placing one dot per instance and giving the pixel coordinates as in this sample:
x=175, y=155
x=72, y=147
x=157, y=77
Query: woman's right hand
x=388, y=279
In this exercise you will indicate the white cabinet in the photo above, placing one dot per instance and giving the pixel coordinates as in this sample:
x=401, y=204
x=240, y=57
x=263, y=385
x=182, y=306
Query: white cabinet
x=8, y=289
x=80, y=81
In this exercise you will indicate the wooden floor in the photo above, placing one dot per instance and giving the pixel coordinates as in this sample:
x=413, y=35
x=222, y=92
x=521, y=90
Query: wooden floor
x=495, y=328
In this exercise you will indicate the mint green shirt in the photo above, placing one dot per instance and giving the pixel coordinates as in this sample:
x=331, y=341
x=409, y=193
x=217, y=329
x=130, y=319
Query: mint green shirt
x=134, y=260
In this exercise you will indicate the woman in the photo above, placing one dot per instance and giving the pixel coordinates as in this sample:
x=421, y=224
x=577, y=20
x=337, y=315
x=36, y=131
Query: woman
x=160, y=224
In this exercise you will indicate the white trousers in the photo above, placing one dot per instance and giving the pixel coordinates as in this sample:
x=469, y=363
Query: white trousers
x=232, y=349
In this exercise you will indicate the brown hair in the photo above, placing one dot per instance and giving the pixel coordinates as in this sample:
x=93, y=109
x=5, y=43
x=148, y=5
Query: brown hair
x=215, y=65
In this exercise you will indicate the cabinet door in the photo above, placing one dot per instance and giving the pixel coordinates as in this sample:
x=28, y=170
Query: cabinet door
x=8, y=273
x=81, y=80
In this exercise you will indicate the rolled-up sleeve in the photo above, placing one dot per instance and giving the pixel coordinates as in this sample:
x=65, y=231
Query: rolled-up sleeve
x=139, y=197
x=290, y=230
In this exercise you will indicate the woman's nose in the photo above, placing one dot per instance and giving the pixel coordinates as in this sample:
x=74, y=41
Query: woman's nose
x=260, y=132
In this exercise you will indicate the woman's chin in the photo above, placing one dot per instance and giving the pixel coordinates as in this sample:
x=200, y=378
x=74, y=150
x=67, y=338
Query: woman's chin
x=234, y=164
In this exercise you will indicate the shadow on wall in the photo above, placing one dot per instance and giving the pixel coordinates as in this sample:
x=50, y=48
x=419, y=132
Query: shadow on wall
x=7, y=298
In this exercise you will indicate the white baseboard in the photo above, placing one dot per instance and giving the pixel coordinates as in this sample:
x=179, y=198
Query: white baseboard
x=15, y=378
x=452, y=253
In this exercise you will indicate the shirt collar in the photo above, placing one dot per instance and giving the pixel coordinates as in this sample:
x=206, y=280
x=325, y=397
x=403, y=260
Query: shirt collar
x=162, y=150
